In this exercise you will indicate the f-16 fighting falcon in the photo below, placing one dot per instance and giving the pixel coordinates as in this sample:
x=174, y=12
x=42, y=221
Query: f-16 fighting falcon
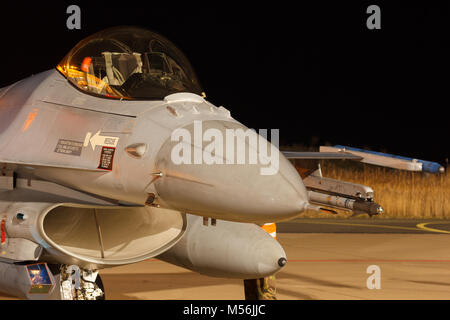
x=115, y=156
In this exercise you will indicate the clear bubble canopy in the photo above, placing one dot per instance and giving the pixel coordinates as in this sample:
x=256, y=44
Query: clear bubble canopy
x=129, y=63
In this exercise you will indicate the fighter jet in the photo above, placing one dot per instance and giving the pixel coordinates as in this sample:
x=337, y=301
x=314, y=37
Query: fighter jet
x=116, y=156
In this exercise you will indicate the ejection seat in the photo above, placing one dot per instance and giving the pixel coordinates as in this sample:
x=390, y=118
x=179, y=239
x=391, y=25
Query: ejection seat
x=120, y=66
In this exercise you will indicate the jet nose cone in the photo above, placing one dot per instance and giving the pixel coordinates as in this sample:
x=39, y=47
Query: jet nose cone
x=221, y=173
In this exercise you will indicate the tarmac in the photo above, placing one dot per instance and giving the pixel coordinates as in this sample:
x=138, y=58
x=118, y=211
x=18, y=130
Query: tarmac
x=328, y=259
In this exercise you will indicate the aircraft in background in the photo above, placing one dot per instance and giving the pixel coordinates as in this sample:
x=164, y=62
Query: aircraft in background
x=88, y=178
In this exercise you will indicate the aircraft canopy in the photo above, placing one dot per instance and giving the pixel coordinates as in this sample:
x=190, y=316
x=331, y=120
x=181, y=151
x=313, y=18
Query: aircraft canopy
x=129, y=63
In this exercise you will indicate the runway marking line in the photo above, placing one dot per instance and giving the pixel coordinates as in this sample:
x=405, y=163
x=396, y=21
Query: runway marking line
x=360, y=225
x=424, y=227
x=419, y=227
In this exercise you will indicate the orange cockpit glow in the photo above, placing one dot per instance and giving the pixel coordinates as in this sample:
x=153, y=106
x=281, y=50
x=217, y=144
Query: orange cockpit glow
x=86, y=81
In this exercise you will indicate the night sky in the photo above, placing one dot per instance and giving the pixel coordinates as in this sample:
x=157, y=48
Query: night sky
x=316, y=72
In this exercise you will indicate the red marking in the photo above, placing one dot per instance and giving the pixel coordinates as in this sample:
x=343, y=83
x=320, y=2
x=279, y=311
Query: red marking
x=3, y=232
x=358, y=260
x=373, y=260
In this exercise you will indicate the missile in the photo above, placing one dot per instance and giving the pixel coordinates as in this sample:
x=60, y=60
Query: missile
x=226, y=249
x=358, y=206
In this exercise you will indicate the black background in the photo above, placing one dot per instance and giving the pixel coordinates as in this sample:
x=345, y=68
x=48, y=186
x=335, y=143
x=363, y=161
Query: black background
x=316, y=72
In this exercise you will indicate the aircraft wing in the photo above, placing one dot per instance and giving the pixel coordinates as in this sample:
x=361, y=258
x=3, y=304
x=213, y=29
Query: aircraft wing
x=344, y=195
x=387, y=160
x=339, y=152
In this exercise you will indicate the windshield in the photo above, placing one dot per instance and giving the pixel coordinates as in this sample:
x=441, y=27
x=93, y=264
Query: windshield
x=129, y=63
